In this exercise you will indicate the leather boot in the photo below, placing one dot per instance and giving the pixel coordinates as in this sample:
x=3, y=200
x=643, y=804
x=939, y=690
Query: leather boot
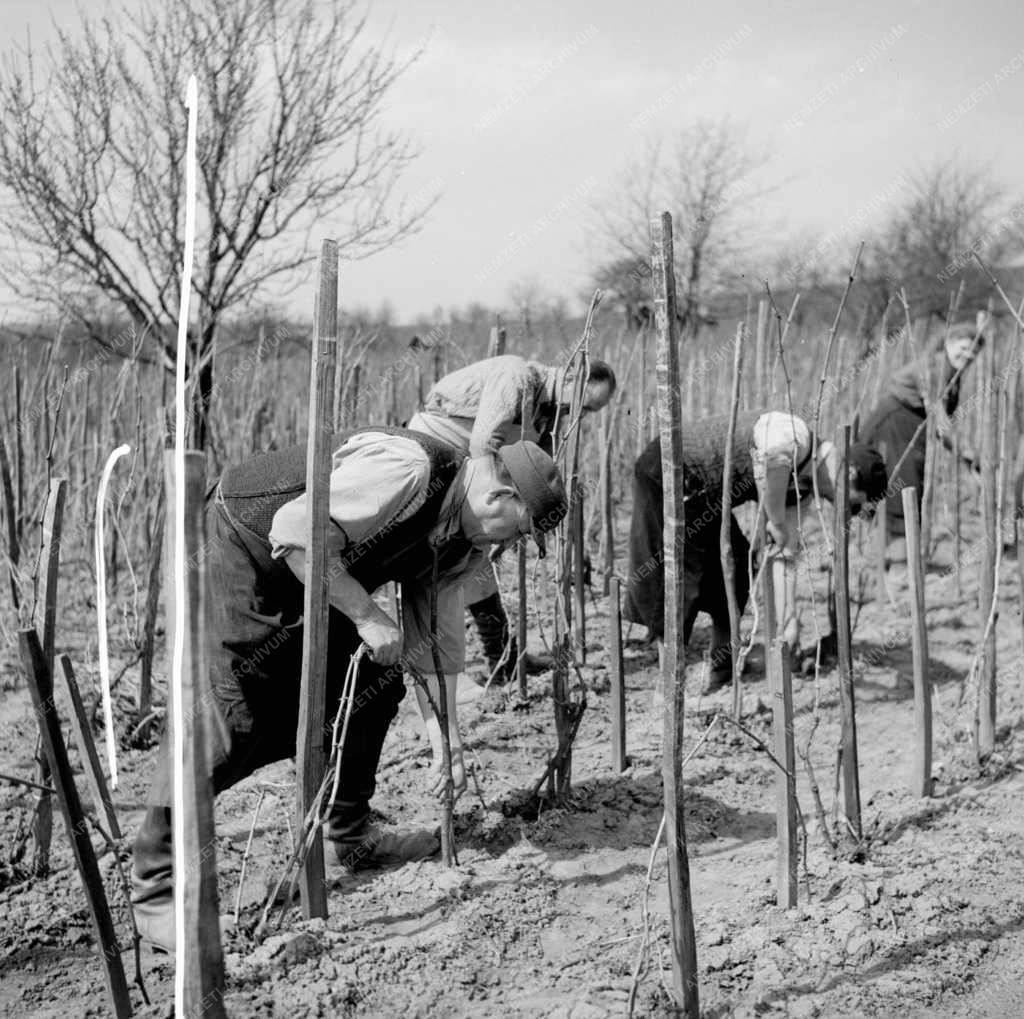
x=153, y=880
x=375, y=847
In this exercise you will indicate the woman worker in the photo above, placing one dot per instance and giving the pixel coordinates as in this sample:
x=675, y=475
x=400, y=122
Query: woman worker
x=896, y=425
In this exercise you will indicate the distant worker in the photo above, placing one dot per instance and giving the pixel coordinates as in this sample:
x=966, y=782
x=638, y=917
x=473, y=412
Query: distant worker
x=896, y=424
x=478, y=409
x=772, y=462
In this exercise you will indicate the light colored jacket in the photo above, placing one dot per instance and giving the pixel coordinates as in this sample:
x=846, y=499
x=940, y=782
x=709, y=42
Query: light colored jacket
x=497, y=394
x=923, y=380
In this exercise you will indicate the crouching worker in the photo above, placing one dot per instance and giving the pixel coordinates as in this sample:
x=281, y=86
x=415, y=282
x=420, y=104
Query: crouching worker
x=478, y=409
x=397, y=499
x=772, y=462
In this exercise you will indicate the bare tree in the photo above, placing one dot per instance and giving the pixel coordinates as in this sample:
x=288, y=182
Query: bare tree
x=290, y=136
x=527, y=298
x=708, y=180
x=951, y=208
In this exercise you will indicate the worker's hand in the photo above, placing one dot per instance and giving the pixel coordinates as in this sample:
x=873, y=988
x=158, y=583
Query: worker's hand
x=778, y=535
x=437, y=778
x=383, y=637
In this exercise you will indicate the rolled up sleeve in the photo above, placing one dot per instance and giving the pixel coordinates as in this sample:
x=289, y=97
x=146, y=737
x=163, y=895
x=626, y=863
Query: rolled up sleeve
x=376, y=480
x=780, y=441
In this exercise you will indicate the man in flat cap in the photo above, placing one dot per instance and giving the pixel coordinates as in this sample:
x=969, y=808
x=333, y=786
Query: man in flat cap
x=773, y=463
x=397, y=499
x=479, y=408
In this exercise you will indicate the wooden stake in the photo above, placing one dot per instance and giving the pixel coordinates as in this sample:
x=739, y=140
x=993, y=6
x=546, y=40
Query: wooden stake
x=617, y=674
x=144, y=702
x=928, y=492
x=521, y=677
x=393, y=417
x=607, y=510
x=957, y=495
x=579, y=591
x=40, y=683
x=641, y=397
x=448, y=855
x=195, y=859
x=11, y=516
x=770, y=631
x=684, y=945
x=87, y=749
x=338, y=394
x=881, y=538
x=725, y=532
x=841, y=570
x=762, y=359
x=44, y=620
x=351, y=418
x=987, y=580
x=921, y=775
x=496, y=344
x=780, y=688
x=313, y=691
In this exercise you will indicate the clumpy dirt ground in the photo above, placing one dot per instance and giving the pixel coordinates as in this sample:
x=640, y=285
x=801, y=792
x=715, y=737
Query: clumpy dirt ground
x=543, y=916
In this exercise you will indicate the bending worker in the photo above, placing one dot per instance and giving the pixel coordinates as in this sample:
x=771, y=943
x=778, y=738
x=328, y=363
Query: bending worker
x=397, y=499
x=479, y=408
x=929, y=384
x=772, y=463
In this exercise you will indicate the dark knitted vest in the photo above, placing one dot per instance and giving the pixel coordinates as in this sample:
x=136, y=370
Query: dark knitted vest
x=704, y=460
x=255, y=490
x=704, y=457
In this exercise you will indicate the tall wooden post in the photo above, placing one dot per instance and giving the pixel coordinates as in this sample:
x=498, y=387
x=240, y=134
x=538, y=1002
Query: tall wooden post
x=45, y=623
x=921, y=774
x=684, y=945
x=780, y=688
x=841, y=569
x=313, y=691
x=195, y=860
x=987, y=581
x=616, y=672
x=725, y=532
x=40, y=683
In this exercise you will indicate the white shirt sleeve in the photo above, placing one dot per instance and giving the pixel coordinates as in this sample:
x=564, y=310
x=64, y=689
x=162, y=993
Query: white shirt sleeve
x=376, y=480
x=778, y=437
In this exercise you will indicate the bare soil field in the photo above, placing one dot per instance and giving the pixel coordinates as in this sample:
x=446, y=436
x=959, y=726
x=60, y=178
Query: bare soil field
x=543, y=916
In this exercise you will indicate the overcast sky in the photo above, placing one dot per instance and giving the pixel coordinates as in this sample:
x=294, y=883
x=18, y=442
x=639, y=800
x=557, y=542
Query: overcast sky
x=528, y=112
